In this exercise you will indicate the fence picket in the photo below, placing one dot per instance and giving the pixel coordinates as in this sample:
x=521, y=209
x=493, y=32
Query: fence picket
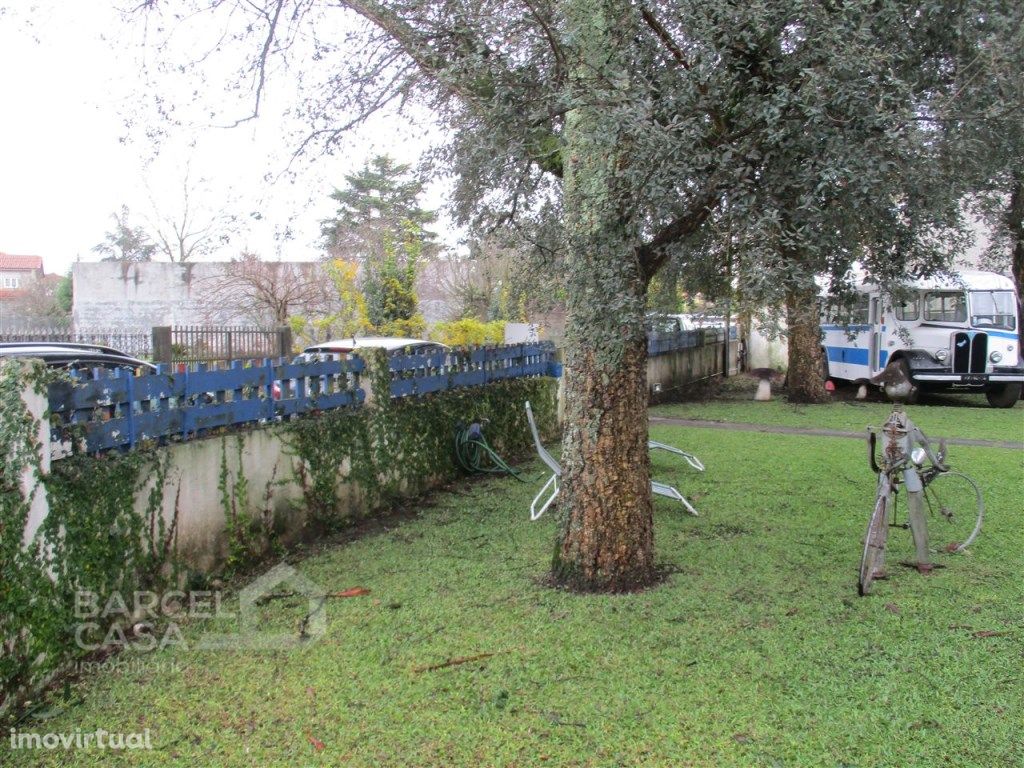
x=117, y=410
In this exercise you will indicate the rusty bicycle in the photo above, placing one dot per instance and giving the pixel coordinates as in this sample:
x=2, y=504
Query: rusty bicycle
x=952, y=499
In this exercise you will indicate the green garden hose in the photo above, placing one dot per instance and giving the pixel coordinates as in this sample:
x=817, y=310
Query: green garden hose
x=476, y=456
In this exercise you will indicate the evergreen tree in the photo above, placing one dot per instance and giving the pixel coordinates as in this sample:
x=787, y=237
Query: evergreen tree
x=381, y=226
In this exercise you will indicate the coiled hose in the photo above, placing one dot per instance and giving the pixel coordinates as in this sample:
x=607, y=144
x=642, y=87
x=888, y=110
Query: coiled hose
x=475, y=455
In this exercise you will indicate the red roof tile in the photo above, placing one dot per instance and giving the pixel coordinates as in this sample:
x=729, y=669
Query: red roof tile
x=29, y=263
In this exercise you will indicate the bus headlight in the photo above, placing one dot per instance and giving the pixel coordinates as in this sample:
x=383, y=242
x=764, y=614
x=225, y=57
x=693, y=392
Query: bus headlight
x=941, y=355
x=995, y=357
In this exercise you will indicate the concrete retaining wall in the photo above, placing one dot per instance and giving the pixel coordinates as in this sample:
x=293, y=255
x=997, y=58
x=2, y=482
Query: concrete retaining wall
x=191, y=498
x=199, y=484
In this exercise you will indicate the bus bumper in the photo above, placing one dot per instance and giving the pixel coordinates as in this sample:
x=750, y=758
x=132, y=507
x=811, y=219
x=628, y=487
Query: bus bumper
x=996, y=376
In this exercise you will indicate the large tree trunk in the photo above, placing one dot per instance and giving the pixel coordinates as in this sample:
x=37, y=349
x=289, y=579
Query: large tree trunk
x=1015, y=227
x=606, y=541
x=805, y=376
x=607, y=538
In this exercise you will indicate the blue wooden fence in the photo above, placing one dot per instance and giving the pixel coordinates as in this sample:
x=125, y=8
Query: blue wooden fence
x=118, y=410
x=114, y=409
x=413, y=375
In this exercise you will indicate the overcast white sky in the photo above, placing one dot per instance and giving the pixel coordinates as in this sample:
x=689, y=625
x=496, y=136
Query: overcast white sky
x=71, y=76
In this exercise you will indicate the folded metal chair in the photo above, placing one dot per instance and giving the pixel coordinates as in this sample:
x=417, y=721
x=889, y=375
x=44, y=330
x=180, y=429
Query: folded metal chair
x=692, y=460
x=550, y=489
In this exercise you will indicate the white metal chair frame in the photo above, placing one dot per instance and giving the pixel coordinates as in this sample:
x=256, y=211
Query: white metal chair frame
x=551, y=486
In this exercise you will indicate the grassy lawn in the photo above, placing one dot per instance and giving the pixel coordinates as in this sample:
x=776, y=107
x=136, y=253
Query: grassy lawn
x=757, y=651
x=939, y=415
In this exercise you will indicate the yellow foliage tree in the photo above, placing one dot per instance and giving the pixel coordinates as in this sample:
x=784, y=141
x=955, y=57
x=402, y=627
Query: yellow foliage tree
x=469, y=332
x=349, y=317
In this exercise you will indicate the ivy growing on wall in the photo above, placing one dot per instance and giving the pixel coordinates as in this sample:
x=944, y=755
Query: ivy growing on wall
x=397, y=447
x=93, y=539
x=25, y=592
x=249, y=529
x=99, y=536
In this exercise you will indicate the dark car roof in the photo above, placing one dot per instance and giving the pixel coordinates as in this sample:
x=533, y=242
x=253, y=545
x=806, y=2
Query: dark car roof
x=59, y=345
x=61, y=355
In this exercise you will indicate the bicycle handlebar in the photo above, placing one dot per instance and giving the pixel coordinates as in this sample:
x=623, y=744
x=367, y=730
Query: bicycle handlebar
x=919, y=437
x=872, y=439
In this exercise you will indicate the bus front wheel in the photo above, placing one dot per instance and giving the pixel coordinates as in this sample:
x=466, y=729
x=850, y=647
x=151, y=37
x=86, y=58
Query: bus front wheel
x=1004, y=395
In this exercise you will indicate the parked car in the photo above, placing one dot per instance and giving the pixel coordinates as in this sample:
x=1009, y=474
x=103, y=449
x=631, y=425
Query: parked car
x=391, y=344
x=658, y=322
x=75, y=357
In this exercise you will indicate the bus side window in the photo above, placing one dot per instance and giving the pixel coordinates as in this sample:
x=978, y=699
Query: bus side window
x=909, y=309
x=947, y=307
x=861, y=311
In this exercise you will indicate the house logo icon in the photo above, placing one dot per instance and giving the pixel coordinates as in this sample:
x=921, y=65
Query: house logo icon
x=250, y=635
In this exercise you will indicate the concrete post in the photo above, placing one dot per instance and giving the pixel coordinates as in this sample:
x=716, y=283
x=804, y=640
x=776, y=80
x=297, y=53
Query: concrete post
x=32, y=487
x=162, y=344
x=284, y=341
x=375, y=360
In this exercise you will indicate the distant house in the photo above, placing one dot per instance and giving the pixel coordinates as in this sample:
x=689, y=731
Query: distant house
x=18, y=273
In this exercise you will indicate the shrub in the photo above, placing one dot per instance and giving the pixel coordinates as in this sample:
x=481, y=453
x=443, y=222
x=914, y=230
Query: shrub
x=469, y=332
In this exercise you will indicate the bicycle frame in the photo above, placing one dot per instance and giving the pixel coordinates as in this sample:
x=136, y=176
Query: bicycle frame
x=872, y=562
x=897, y=468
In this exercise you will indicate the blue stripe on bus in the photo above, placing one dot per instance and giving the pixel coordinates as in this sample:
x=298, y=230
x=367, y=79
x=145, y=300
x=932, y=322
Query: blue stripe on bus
x=1000, y=334
x=847, y=355
x=882, y=357
x=846, y=327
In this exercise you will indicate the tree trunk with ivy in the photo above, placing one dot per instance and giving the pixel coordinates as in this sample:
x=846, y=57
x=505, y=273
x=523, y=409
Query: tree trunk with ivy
x=607, y=537
x=805, y=376
x=1015, y=226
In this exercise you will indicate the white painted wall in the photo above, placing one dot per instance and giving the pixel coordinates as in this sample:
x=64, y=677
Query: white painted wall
x=108, y=294
x=765, y=352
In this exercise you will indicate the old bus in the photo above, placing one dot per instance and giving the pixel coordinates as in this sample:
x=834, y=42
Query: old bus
x=958, y=334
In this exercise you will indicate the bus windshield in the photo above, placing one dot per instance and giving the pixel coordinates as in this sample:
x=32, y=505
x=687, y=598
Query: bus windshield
x=993, y=309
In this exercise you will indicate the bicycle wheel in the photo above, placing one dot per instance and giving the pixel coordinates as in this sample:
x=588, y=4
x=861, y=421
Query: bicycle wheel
x=872, y=560
x=955, y=508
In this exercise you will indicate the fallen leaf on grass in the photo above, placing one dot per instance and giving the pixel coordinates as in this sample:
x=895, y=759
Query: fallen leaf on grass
x=989, y=633
x=318, y=745
x=892, y=608
x=350, y=592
